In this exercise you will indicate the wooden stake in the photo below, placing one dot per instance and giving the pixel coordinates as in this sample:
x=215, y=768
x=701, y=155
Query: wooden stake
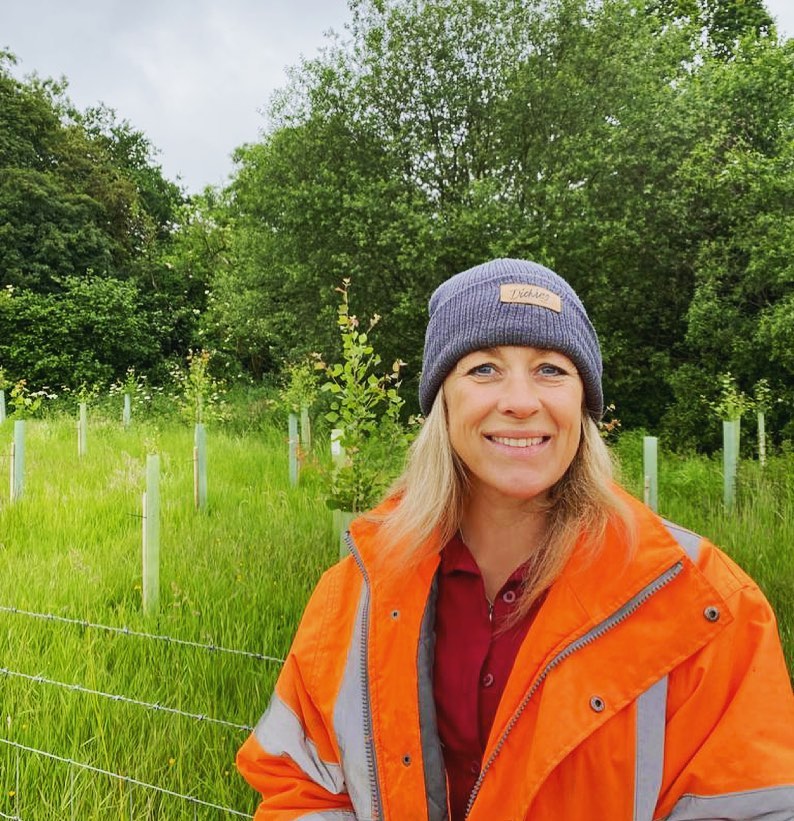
x=151, y=536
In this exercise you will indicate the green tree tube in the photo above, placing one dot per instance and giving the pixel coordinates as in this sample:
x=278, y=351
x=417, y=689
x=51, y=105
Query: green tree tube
x=18, y=461
x=294, y=467
x=649, y=461
x=730, y=459
x=200, y=467
x=126, y=414
x=151, y=536
x=82, y=431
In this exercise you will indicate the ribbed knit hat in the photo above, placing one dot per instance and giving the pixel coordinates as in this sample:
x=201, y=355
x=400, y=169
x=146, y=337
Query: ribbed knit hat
x=508, y=302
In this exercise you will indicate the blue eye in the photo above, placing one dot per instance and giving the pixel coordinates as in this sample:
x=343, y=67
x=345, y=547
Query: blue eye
x=486, y=369
x=550, y=370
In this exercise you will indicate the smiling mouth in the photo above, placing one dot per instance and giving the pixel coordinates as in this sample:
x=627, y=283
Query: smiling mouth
x=518, y=443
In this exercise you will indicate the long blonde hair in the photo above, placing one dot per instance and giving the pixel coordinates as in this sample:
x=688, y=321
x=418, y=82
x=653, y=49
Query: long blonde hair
x=433, y=487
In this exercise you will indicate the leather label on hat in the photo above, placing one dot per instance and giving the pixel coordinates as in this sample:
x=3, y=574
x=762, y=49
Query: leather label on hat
x=530, y=295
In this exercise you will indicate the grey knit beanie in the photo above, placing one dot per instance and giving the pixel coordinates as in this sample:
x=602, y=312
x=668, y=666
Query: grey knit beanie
x=508, y=302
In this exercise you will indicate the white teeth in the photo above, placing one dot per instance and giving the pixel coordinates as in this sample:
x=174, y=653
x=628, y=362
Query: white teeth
x=517, y=443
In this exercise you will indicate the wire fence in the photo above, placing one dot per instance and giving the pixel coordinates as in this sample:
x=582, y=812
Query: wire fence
x=38, y=679
x=148, y=705
x=126, y=631
x=133, y=782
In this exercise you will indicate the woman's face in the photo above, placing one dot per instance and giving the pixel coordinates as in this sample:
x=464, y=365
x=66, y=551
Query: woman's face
x=515, y=418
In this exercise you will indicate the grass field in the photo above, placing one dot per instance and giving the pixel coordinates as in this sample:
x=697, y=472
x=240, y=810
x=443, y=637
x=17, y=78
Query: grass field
x=235, y=576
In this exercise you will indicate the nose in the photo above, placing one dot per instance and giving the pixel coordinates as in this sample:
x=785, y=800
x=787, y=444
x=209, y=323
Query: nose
x=519, y=396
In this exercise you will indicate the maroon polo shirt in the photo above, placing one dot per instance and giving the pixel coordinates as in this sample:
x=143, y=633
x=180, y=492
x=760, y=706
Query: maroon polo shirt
x=472, y=662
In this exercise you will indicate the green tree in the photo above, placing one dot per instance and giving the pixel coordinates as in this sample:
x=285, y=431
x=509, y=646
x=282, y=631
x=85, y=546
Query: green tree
x=85, y=214
x=737, y=186
x=591, y=137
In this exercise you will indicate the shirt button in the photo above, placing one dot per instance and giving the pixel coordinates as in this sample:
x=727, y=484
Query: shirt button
x=487, y=680
x=474, y=768
x=509, y=596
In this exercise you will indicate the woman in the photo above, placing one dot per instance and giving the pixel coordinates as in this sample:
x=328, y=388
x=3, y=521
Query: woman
x=513, y=636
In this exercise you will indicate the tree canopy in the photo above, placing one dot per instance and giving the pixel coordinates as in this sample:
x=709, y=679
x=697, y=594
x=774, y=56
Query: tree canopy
x=641, y=148
x=85, y=219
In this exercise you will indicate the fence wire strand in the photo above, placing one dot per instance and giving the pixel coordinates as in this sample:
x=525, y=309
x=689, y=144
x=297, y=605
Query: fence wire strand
x=197, y=802
x=126, y=631
x=78, y=688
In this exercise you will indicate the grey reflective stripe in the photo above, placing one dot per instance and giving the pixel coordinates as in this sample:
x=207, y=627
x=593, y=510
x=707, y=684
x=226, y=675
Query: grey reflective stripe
x=770, y=804
x=280, y=732
x=652, y=713
x=329, y=815
x=432, y=756
x=649, y=755
x=352, y=719
x=688, y=541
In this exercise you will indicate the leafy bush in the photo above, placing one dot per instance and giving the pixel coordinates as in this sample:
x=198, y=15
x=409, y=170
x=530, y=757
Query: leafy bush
x=366, y=406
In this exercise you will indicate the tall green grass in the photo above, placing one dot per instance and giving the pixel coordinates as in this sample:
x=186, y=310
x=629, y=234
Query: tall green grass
x=238, y=576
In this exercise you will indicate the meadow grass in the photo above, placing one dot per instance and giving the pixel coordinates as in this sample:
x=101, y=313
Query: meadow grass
x=236, y=576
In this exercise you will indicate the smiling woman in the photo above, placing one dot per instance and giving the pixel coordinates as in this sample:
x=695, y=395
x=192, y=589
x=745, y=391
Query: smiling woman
x=513, y=636
x=515, y=420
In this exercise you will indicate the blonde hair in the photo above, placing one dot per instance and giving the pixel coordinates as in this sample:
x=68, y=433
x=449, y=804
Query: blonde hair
x=432, y=492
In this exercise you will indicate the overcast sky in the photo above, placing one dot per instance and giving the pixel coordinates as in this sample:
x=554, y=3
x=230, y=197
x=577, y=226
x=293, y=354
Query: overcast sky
x=193, y=75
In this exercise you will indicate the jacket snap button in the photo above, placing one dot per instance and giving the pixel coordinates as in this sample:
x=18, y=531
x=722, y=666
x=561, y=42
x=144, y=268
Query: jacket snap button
x=597, y=703
x=712, y=613
x=509, y=596
x=395, y=614
x=407, y=760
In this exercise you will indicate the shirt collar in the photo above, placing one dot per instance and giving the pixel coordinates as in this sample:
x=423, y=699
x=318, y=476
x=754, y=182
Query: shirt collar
x=456, y=557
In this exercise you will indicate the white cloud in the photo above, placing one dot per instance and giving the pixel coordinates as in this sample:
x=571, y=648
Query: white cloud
x=193, y=75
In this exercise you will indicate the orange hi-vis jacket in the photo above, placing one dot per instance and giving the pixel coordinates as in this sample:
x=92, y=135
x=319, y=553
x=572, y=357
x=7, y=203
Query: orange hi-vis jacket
x=651, y=685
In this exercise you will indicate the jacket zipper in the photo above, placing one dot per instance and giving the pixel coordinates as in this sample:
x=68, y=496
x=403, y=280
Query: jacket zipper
x=368, y=736
x=588, y=638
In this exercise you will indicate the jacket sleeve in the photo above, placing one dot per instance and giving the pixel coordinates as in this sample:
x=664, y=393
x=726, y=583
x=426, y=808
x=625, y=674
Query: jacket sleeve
x=729, y=746
x=292, y=757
